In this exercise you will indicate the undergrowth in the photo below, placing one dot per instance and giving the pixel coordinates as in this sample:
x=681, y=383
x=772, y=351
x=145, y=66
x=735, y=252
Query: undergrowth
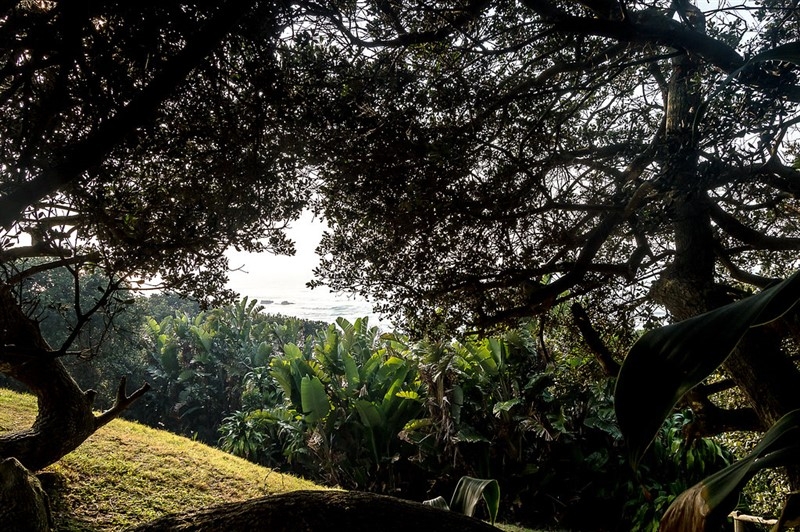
x=127, y=474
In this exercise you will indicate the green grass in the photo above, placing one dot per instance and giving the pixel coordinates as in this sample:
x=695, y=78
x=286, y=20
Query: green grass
x=127, y=474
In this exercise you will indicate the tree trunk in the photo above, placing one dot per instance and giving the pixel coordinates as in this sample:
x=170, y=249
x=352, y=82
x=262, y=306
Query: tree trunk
x=65, y=418
x=300, y=511
x=758, y=366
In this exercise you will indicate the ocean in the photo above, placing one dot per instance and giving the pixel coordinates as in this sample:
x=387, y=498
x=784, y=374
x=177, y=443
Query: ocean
x=318, y=305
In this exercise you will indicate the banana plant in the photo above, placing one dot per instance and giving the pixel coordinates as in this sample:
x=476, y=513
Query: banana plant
x=666, y=363
x=349, y=386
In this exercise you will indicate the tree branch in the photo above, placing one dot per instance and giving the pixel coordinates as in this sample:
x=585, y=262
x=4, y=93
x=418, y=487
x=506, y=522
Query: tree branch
x=711, y=420
x=96, y=146
x=40, y=249
x=651, y=26
x=592, y=338
x=122, y=402
x=405, y=38
x=739, y=274
x=746, y=235
x=545, y=296
x=52, y=265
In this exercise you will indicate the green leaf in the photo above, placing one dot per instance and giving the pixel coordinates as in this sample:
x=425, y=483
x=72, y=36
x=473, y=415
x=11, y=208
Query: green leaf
x=168, y=357
x=351, y=371
x=469, y=493
x=204, y=337
x=505, y=406
x=667, y=362
x=370, y=415
x=467, y=434
x=186, y=375
x=438, y=502
x=343, y=324
x=708, y=501
x=316, y=404
x=409, y=394
x=263, y=354
x=281, y=372
x=291, y=351
x=499, y=351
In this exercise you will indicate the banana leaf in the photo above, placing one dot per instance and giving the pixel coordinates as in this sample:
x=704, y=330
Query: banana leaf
x=666, y=363
x=704, y=505
x=469, y=492
x=315, y=402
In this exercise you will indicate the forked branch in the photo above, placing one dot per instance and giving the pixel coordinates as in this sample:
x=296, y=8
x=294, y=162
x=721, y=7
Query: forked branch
x=122, y=402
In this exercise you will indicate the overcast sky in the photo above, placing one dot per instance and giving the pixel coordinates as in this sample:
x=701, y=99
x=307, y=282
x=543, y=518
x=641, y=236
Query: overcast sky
x=264, y=272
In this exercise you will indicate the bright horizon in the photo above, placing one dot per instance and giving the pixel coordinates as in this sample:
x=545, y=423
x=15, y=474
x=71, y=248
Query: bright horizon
x=261, y=273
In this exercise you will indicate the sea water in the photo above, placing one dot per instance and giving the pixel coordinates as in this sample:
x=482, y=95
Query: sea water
x=317, y=305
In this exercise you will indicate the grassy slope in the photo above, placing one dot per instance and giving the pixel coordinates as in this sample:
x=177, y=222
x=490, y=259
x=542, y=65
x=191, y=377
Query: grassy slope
x=128, y=474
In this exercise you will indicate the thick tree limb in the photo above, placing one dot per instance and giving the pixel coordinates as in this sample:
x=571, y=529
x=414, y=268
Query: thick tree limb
x=65, y=418
x=746, y=235
x=52, y=265
x=122, y=402
x=739, y=274
x=715, y=387
x=711, y=420
x=592, y=338
x=40, y=249
x=651, y=26
x=320, y=510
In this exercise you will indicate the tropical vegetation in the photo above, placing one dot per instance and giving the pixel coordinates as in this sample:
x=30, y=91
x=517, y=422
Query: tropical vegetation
x=528, y=188
x=682, y=355
x=350, y=406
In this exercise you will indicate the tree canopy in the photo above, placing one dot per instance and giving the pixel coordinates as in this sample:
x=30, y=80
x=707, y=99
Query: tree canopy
x=144, y=140
x=478, y=162
x=138, y=142
x=492, y=160
x=548, y=150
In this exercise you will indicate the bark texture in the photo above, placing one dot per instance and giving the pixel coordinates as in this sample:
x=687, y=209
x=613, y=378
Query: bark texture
x=304, y=511
x=65, y=417
x=688, y=288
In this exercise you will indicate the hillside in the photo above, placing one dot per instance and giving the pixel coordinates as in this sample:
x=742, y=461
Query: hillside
x=127, y=474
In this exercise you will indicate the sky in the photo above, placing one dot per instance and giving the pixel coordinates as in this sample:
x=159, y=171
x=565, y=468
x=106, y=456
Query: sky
x=262, y=273
x=281, y=280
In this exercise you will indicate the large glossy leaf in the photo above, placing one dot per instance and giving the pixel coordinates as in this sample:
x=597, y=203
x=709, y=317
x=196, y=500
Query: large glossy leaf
x=316, y=404
x=667, y=362
x=487, y=354
x=370, y=414
x=291, y=351
x=351, y=372
x=263, y=354
x=470, y=491
x=204, y=337
x=702, y=506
